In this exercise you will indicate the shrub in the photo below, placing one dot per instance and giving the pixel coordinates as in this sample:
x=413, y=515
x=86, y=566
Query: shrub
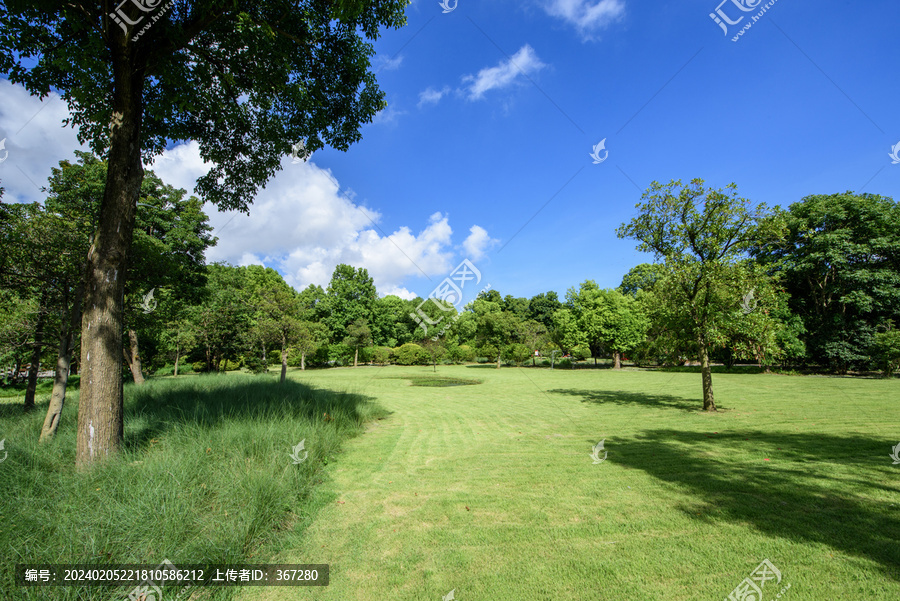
x=490, y=351
x=381, y=354
x=581, y=352
x=412, y=354
x=255, y=365
x=463, y=353
x=483, y=360
x=340, y=353
x=565, y=363
x=886, y=352
x=198, y=366
x=517, y=353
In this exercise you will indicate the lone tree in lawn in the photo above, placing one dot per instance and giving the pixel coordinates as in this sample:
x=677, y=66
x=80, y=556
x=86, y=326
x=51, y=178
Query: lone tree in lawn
x=701, y=234
x=246, y=80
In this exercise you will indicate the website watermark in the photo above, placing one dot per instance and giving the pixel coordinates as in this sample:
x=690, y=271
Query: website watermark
x=722, y=17
x=296, y=452
x=121, y=18
x=447, y=296
x=596, y=152
x=6, y=453
x=895, y=455
x=6, y=152
x=751, y=587
x=894, y=154
x=445, y=4
x=595, y=455
x=748, y=304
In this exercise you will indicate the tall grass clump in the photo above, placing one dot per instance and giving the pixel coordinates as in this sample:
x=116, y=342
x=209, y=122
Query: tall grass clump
x=206, y=477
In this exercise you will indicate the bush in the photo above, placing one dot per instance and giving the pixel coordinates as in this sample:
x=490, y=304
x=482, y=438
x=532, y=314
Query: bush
x=255, y=364
x=483, y=360
x=490, y=351
x=340, y=353
x=198, y=366
x=463, y=353
x=412, y=354
x=545, y=362
x=517, y=353
x=274, y=357
x=381, y=354
x=886, y=352
x=581, y=352
x=228, y=365
x=565, y=363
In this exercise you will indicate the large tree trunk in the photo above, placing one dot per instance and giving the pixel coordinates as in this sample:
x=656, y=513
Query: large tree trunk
x=617, y=357
x=100, y=408
x=709, y=403
x=36, y=351
x=133, y=356
x=36, y=354
x=63, y=364
x=302, y=361
x=284, y=356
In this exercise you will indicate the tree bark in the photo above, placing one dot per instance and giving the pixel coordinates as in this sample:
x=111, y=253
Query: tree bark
x=709, y=403
x=355, y=356
x=36, y=354
x=302, y=361
x=498, y=360
x=63, y=364
x=177, y=357
x=100, y=408
x=617, y=357
x=133, y=356
x=284, y=356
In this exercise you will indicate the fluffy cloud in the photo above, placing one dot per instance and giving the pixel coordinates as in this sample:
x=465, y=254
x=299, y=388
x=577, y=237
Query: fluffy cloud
x=588, y=16
x=432, y=96
x=35, y=140
x=303, y=225
x=523, y=63
x=478, y=242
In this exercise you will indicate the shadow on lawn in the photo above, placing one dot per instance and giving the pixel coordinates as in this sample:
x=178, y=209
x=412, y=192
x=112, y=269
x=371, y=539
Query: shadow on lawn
x=624, y=397
x=209, y=401
x=792, y=496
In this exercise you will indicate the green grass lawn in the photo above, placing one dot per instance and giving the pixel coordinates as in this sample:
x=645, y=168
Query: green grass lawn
x=489, y=490
x=486, y=489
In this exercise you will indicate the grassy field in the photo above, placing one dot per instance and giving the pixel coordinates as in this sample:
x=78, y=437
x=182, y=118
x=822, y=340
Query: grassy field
x=487, y=489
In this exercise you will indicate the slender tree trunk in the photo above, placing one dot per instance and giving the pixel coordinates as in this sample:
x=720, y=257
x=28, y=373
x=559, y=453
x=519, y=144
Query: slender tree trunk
x=133, y=356
x=36, y=354
x=498, y=360
x=302, y=361
x=63, y=364
x=355, y=356
x=284, y=356
x=100, y=408
x=617, y=358
x=177, y=357
x=709, y=403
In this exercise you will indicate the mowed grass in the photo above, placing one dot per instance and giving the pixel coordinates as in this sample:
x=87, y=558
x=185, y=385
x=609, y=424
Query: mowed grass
x=489, y=490
x=206, y=477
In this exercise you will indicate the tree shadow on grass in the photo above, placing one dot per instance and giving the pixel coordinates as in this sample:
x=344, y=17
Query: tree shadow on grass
x=795, y=495
x=209, y=401
x=625, y=397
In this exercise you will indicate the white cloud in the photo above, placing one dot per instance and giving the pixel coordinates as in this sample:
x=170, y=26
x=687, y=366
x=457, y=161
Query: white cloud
x=432, y=96
x=35, y=140
x=522, y=63
x=303, y=225
x=385, y=63
x=388, y=116
x=477, y=243
x=587, y=16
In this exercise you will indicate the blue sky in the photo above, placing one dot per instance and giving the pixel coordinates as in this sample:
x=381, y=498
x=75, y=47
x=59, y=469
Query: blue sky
x=495, y=106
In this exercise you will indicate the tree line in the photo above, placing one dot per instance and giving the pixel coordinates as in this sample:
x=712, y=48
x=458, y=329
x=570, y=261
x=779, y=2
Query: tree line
x=814, y=285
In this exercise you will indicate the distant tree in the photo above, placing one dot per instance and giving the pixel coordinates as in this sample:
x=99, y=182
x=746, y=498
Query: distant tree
x=699, y=233
x=542, y=306
x=358, y=335
x=839, y=260
x=350, y=296
x=311, y=336
x=640, y=277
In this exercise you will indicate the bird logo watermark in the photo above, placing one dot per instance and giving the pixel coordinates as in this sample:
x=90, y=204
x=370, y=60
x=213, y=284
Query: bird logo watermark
x=895, y=153
x=6, y=156
x=299, y=152
x=595, y=455
x=748, y=305
x=5, y=453
x=449, y=596
x=296, y=454
x=596, y=154
x=445, y=4
x=895, y=456
x=149, y=303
